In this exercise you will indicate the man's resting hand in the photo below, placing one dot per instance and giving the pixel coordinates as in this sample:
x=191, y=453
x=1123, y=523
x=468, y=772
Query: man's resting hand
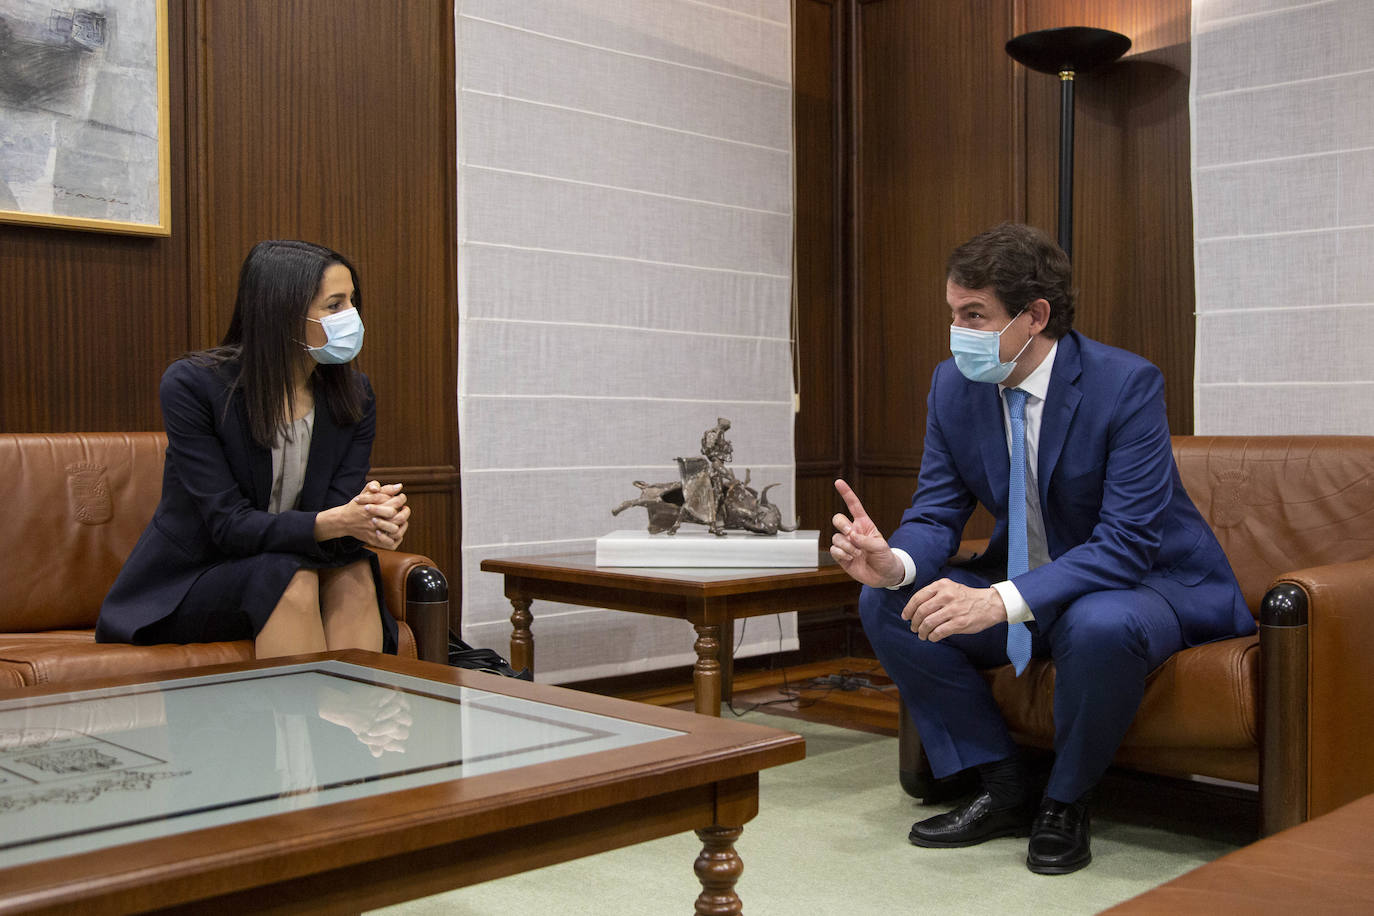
x=944, y=607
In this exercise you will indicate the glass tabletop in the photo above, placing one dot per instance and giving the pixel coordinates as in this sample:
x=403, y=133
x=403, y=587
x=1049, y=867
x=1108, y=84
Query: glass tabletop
x=89, y=769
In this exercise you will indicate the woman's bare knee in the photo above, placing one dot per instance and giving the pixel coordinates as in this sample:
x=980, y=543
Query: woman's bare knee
x=350, y=585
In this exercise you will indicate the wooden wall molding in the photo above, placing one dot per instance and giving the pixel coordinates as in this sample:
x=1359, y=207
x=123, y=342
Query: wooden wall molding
x=894, y=468
x=441, y=477
x=821, y=466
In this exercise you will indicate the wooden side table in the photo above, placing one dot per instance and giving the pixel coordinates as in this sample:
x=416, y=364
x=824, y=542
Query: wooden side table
x=710, y=599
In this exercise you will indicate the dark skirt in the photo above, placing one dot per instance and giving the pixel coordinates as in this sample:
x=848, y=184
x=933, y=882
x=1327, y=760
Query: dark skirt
x=232, y=600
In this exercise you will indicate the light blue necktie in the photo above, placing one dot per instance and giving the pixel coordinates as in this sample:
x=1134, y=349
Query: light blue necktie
x=1018, y=551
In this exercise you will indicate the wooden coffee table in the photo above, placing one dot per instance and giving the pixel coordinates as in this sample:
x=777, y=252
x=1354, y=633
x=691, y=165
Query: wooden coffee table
x=711, y=599
x=298, y=786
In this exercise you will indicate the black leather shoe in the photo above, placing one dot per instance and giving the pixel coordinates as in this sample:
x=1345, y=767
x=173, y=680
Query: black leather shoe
x=971, y=824
x=1059, y=840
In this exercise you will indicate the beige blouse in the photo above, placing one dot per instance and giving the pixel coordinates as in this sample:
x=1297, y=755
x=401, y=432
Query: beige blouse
x=289, y=456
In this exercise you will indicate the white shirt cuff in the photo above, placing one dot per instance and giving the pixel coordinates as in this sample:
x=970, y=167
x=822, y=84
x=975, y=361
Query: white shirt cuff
x=907, y=564
x=1017, y=609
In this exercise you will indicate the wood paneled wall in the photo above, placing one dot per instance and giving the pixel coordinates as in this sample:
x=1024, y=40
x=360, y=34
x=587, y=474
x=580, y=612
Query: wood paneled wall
x=934, y=162
x=333, y=120
x=941, y=135
x=330, y=120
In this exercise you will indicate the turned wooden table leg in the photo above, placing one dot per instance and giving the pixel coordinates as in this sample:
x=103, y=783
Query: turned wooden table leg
x=706, y=675
x=521, y=638
x=718, y=868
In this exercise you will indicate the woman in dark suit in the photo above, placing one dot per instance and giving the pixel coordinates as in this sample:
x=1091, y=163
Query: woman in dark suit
x=266, y=516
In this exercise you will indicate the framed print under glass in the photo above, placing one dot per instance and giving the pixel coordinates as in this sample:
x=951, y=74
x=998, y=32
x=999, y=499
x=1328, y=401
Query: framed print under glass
x=89, y=769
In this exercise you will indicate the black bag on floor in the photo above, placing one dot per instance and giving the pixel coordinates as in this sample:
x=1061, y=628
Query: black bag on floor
x=462, y=655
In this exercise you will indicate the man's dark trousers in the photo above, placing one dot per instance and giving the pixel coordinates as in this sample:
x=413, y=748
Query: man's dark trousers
x=1103, y=645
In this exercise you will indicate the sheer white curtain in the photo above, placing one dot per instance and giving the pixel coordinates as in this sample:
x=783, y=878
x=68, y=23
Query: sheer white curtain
x=625, y=228
x=1283, y=192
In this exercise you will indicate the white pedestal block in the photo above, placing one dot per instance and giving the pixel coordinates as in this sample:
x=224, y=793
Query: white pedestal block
x=697, y=547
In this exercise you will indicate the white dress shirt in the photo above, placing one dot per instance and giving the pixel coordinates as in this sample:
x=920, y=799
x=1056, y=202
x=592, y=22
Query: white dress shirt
x=1036, y=385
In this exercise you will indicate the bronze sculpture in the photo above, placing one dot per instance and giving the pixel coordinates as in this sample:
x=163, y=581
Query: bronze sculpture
x=708, y=493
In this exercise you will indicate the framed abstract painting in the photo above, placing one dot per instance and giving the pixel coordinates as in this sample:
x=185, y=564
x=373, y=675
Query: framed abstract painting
x=84, y=136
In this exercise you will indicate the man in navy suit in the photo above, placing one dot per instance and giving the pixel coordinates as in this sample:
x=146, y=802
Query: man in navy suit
x=1117, y=568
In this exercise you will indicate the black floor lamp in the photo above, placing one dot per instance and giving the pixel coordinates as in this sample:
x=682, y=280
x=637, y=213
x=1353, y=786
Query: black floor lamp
x=1067, y=52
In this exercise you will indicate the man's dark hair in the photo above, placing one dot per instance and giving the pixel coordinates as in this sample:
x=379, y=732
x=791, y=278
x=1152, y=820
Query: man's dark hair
x=1020, y=264
x=277, y=282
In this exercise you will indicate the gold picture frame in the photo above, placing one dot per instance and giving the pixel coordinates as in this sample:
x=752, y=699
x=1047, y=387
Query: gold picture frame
x=79, y=146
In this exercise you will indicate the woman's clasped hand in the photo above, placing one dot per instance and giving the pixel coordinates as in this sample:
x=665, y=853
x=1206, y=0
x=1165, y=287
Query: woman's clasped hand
x=385, y=505
x=378, y=516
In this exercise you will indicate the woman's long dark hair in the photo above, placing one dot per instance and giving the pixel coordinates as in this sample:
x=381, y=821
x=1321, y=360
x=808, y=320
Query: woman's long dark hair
x=277, y=282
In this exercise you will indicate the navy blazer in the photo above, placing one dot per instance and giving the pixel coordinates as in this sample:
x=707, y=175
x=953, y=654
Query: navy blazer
x=216, y=486
x=1116, y=514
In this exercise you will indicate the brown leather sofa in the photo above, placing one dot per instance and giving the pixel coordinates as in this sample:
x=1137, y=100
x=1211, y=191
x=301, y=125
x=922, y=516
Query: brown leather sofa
x=1290, y=708
x=75, y=504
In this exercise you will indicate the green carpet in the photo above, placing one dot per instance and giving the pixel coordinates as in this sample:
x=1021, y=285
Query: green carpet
x=830, y=837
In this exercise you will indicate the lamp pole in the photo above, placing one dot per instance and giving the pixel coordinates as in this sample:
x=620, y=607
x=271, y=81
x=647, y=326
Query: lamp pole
x=1066, y=161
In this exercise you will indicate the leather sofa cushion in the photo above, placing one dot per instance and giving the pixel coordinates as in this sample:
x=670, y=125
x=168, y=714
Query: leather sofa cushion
x=59, y=656
x=1204, y=697
x=1234, y=764
x=61, y=662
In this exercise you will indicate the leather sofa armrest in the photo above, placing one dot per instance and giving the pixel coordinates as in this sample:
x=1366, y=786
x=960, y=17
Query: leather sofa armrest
x=1338, y=589
x=1317, y=633
x=417, y=592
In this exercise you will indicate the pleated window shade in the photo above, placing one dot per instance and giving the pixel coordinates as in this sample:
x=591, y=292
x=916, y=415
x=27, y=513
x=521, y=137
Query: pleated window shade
x=1283, y=192
x=625, y=231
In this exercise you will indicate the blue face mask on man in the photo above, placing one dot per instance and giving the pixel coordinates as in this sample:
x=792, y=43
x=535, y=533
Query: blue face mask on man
x=978, y=354
x=343, y=334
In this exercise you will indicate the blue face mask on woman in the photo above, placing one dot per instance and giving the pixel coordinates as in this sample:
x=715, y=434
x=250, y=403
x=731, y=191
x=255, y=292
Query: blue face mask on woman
x=978, y=354
x=343, y=334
